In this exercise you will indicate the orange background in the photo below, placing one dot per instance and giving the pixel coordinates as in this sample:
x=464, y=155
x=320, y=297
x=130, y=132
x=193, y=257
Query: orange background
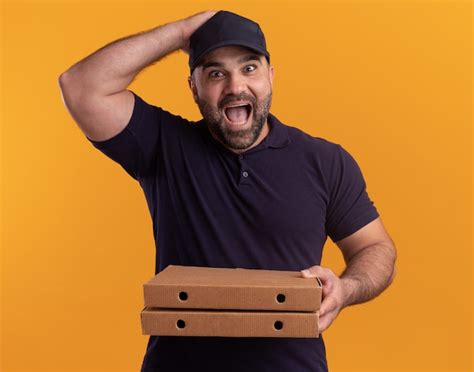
x=391, y=81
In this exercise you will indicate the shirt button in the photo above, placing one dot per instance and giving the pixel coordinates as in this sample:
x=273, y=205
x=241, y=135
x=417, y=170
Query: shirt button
x=245, y=174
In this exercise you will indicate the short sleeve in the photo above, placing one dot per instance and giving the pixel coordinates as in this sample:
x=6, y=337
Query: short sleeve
x=350, y=207
x=135, y=147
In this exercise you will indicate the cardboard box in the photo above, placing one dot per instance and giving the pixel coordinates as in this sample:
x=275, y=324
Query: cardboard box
x=225, y=302
x=193, y=287
x=167, y=322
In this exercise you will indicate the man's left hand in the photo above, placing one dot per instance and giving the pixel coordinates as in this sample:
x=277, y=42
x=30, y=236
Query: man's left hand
x=333, y=294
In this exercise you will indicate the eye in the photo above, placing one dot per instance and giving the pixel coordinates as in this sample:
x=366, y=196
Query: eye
x=214, y=74
x=250, y=68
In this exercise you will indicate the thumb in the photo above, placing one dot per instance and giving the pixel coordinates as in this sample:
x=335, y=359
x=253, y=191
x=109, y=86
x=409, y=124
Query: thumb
x=312, y=272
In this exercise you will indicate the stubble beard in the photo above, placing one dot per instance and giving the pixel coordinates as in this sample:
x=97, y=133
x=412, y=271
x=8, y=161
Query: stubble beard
x=236, y=139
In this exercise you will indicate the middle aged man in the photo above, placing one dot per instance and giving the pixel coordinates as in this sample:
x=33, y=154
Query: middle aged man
x=238, y=188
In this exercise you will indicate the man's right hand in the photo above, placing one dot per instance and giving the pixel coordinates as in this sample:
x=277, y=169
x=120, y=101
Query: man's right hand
x=191, y=24
x=94, y=89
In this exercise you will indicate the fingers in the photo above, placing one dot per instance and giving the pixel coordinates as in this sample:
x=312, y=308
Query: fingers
x=190, y=24
x=326, y=320
x=328, y=311
x=331, y=292
x=328, y=304
x=311, y=272
x=326, y=276
x=317, y=271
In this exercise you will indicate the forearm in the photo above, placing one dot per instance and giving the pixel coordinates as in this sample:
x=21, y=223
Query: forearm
x=368, y=273
x=113, y=67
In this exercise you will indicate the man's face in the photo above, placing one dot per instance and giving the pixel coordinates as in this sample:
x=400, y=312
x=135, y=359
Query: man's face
x=233, y=89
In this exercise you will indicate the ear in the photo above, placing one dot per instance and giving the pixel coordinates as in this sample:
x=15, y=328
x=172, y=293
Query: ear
x=193, y=88
x=271, y=74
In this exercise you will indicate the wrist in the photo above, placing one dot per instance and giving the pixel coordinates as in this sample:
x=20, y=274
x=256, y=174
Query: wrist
x=349, y=289
x=180, y=31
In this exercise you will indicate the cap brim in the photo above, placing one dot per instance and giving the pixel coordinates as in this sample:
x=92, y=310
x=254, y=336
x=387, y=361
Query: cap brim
x=251, y=46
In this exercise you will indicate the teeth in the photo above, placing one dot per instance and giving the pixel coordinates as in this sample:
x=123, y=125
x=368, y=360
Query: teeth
x=249, y=110
x=243, y=104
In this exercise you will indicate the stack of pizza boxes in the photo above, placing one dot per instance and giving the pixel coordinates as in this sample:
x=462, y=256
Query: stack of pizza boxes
x=231, y=302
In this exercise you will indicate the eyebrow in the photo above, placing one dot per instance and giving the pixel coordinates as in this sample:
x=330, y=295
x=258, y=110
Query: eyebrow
x=248, y=57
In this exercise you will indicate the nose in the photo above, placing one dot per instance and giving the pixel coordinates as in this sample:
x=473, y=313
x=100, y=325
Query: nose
x=235, y=85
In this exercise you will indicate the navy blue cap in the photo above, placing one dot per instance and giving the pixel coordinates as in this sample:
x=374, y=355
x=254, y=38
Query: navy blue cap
x=222, y=29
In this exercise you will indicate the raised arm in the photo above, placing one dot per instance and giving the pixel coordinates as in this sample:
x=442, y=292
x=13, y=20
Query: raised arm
x=94, y=90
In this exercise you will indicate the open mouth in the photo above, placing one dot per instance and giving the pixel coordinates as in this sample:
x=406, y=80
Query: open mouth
x=238, y=114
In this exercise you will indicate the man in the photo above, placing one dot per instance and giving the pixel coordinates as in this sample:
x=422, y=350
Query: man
x=236, y=189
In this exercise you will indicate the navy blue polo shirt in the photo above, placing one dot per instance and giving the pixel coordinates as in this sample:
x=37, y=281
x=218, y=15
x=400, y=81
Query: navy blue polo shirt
x=271, y=207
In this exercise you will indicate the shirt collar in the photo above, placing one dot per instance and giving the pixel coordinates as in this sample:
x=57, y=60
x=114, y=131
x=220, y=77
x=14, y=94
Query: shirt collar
x=278, y=135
